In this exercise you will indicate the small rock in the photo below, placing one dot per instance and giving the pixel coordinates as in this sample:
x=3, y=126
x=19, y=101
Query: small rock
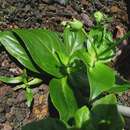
x=2, y=118
x=7, y=126
x=87, y=21
x=20, y=97
x=10, y=117
x=63, y=2
x=48, y=1
x=1, y=108
x=115, y=9
x=4, y=90
x=10, y=101
x=20, y=114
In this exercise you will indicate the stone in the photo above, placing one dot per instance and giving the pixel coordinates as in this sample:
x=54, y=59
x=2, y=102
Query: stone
x=2, y=118
x=115, y=9
x=7, y=126
x=87, y=21
x=63, y=2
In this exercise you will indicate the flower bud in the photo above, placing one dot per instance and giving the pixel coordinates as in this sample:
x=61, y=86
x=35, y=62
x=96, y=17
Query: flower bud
x=76, y=24
x=98, y=16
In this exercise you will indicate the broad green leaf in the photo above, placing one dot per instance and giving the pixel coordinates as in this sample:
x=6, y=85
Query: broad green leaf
x=82, y=115
x=73, y=40
x=42, y=45
x=101, y=78
x=119, y=88
x=29, y=96
x=11, y=80
x=12, y=45
x=105, y=114
x=82, y=55
x=53, y=42
x=46, y=124
x=63, y=98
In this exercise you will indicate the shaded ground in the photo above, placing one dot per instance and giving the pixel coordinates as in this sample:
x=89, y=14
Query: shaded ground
x=34, y=14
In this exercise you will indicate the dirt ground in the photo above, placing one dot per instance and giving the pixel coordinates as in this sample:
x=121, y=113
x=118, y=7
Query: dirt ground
x=14, y=112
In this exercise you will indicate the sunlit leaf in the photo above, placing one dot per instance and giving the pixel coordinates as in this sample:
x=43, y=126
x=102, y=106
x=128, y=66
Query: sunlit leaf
x=101, y=78
x=63, y=98
x=13, y=46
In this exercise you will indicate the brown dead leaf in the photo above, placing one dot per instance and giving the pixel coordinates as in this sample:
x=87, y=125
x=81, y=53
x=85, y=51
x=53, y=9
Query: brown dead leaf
x=120, y=33
x=40, y=111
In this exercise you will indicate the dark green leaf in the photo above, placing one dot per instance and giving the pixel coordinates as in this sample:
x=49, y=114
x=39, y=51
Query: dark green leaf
x=43, y=45
x=13, y=46
x=101, y=78
x=105, y=114
x=63, y=98
x=46, y=124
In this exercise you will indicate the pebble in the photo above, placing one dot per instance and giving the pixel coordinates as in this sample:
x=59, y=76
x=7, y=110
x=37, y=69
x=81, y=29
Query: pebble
x=19, y=113
x=63, y=2
x=20, y=97
x=87, y=21
x=2, y=118
x=115, y=9
x=1, y=108
x=7, y=126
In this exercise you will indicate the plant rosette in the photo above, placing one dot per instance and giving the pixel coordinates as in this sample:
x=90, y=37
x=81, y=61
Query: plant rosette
x=83, y=86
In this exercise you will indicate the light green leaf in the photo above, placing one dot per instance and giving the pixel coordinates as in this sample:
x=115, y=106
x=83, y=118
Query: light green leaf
x=43, y=45
x=82, y=115
x=29, y=96
x=11, y=80
x=105, y=114
x=119, y=88
x=73, y=40
x=63, y=98
x=101, y=78
x=13, y=46
x=82, y=55
x=35, y=81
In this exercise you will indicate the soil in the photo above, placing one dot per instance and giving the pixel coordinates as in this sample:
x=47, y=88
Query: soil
x=14, y=112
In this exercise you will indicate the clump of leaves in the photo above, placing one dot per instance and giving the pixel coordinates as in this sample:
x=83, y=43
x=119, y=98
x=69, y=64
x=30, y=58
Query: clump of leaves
x=77, y=60
x=24, y=82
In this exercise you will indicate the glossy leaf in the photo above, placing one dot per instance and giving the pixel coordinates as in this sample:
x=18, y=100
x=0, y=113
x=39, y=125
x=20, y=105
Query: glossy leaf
x=29, y=96
x=105, y=114
x=82, y=115
x=82, y=55
x=35, y=81
x=63, y=98
x=12, y=45
x=101, y=78
x=73, y=40
x=119, y=88
x=46, y=124
x=42, y=45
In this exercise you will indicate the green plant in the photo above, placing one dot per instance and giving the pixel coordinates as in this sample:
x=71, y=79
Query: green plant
x=77, y=60
x=24, y=82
